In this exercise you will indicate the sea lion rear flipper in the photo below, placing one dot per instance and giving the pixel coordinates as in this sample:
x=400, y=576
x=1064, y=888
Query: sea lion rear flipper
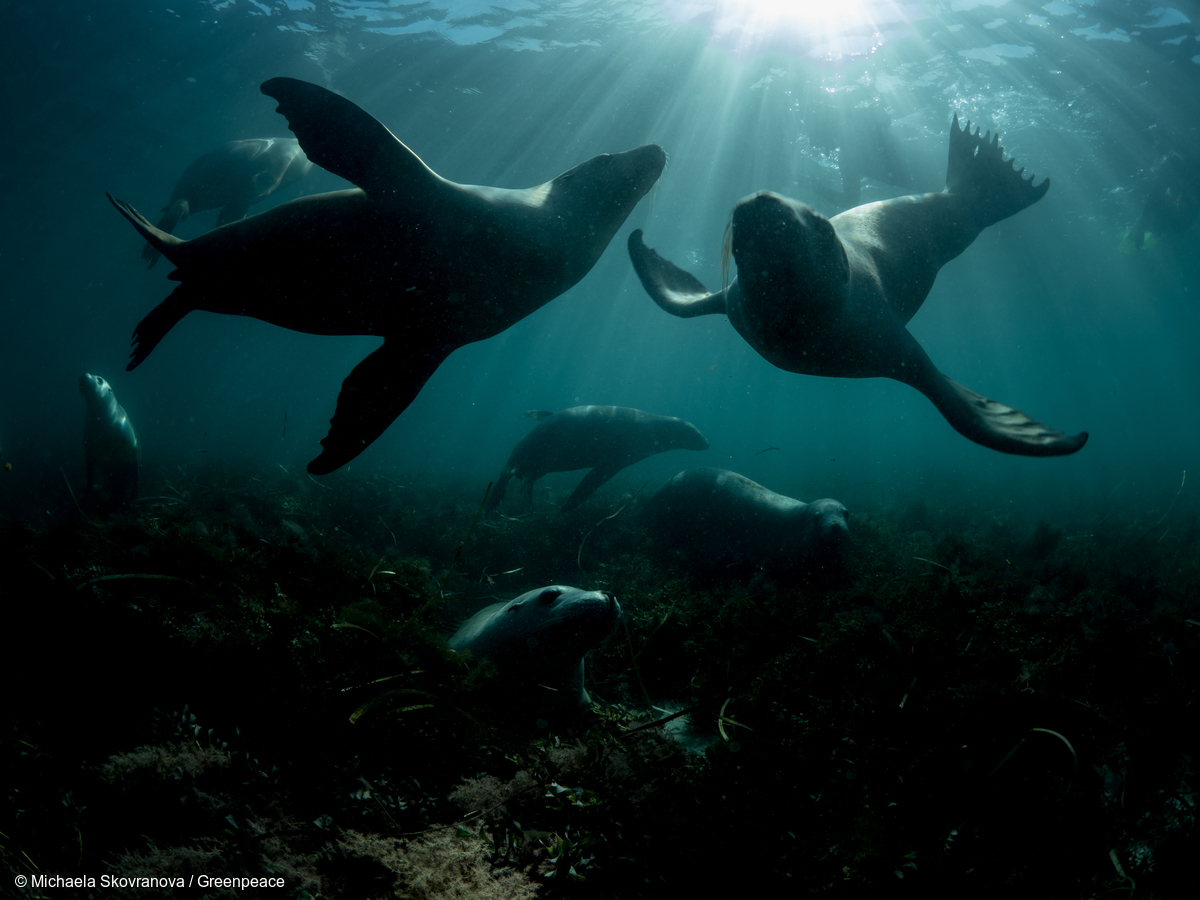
x=997, y=426
x=341, y=137
x=379, y=389
x=154, y=327
x=232, y=212
x=588, y=486
x=669, y=286
x=976, y=171
x=160, y=240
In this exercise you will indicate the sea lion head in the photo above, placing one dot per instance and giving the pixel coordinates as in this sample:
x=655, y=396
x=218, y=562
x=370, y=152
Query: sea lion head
x=788, y=254
x=97, y=393
x=608, y=187
x=829, y=521
x=541, y=636
x=680, y=434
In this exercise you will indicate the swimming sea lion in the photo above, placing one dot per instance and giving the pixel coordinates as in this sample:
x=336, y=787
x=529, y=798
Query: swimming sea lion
x=832, y=296
x=716, y=517
x=608, y=438
x=542, y=636
x=1173, y=203
x=425, y=263
x=232, y=178
x=109, y=442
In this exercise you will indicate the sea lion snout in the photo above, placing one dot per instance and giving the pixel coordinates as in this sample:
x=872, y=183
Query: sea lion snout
x=777, y=239
x=94, y=389
x=832, y=520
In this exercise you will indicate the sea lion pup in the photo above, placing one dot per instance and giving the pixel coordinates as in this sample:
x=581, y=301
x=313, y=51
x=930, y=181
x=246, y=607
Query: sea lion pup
x=540, y=638
x=232, y=178
x=608, y=438
x=427, y=264
x=109, y=443
x=832, y=296
x=718, y=518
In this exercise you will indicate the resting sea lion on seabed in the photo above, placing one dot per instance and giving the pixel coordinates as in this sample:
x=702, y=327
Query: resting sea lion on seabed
x=717, y=517
x=540, y=638
x=832, y=296
x=427, y=264
x=232, y=178
x=608, y=438
x=109, y=443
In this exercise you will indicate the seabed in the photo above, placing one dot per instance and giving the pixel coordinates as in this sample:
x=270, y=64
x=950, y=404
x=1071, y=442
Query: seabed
x=247, y=675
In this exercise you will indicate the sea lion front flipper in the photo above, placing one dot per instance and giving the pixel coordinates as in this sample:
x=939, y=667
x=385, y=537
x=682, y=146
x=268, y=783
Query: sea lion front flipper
x=669, y=286
x=499, y=490
x=591, y=481
x=976, y=171
x=995, y=425
x=232, y=212
x=341, y=137
x=379, y=389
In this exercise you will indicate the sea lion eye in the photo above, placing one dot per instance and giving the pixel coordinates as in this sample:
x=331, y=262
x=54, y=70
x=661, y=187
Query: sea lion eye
x=548, y=597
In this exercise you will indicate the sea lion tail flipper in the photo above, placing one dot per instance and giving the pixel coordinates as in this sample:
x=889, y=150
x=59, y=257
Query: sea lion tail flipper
x=379, y=389
x=344, y=139
x=154, y=327
x=162, y=241
x=976, y=171
x=588, y=486
x=669, y=286
x=997, y=426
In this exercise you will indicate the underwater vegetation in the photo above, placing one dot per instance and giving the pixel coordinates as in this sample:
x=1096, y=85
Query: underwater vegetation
x=252, y=667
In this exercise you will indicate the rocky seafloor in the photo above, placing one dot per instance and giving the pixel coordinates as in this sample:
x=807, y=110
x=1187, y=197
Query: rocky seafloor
x=246, y=675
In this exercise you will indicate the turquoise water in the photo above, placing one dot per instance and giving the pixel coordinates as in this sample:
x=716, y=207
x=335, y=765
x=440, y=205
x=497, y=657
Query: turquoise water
x=1050, y=311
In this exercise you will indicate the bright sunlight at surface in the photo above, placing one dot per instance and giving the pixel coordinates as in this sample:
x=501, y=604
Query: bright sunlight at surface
x=820, y=30
x=903, y=724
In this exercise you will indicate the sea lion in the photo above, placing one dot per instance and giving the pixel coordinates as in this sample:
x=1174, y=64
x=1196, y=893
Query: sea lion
x=540, y=638
x=425, y=263
x=1173, y=204
x=232, y=178
x=832, y=296
x=109, y=442
x=717, y=517
x=608, y=438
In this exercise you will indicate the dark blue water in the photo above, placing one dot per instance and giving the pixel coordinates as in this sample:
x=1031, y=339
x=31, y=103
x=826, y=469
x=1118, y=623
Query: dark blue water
x=1043, y=312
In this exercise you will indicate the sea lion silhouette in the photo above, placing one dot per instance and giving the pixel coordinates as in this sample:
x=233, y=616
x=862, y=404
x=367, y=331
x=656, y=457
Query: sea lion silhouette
x=717, y=517
x=608, y=438
x=425, y=263
x=1173, y=204
x=832, y=296
x=232, y=178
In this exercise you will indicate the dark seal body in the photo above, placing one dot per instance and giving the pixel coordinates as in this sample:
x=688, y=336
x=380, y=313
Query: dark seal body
x=605, y=439
x=232, y=178
x=110, y=446
x=833, y=297
x=425, y=263
x=540, y=638
x=719, y=518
